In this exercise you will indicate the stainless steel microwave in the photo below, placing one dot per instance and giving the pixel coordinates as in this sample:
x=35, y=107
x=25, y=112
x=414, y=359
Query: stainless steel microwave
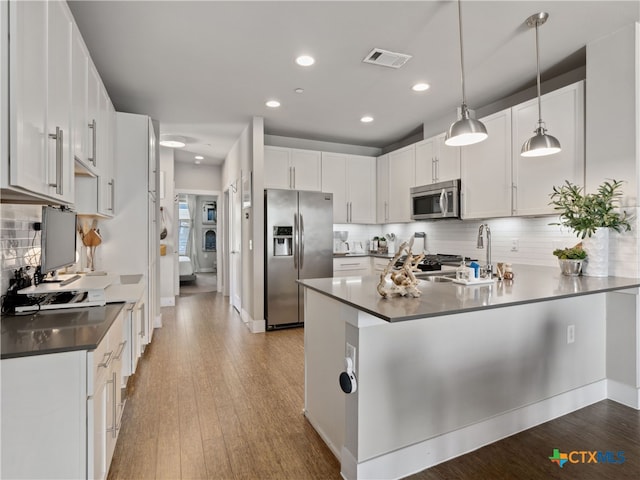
x=438, y=200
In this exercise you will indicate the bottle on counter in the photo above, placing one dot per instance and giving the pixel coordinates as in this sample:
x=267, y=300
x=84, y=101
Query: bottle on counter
x=508, y=272
x=463, y=272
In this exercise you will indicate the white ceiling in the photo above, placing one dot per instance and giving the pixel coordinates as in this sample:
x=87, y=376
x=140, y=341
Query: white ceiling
x=204, y=68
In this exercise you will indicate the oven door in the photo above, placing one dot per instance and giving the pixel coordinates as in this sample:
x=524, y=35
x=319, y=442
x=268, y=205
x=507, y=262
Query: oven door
x=435, y=201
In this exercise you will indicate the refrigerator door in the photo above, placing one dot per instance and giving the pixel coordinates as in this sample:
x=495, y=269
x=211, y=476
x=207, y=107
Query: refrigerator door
x=281, y=289
x=315, y=257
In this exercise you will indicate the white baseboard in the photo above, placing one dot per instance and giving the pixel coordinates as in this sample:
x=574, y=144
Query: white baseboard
x=254, y=326
x=324, y=436
x=415, y=458
x=157, y=322
x=168, y=301
x=624, y=394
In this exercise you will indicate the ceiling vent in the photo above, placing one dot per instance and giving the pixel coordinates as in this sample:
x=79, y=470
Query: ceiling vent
x=385, y=58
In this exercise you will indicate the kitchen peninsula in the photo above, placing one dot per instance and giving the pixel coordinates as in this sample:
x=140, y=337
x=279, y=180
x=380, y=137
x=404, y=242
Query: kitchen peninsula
x=461, y=366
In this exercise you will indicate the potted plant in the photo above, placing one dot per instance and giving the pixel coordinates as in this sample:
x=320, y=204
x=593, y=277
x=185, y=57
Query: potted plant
x=570, y=259
x=590, y=216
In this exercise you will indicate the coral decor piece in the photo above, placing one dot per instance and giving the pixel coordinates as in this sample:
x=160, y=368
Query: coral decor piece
x=403, y=281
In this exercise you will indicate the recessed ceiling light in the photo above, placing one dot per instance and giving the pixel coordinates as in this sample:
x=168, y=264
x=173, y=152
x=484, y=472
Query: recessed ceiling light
x=172, y=141
x=273, y=104
x=199, y=157
x=299, y=90
x=305, y=60
x=366, y=119
x=420, y=87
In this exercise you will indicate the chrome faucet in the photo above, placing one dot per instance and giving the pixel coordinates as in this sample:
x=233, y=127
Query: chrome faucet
x=480, y=244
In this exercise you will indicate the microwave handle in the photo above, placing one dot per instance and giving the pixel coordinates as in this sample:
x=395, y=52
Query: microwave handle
x=443, y=202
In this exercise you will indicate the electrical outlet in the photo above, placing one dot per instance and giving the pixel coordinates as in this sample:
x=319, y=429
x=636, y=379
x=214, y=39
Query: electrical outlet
x=515, y=244
x=571, y=333
x=350, y=352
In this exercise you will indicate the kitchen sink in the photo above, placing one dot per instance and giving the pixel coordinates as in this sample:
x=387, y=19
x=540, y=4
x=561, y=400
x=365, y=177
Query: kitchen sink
x=436, y=278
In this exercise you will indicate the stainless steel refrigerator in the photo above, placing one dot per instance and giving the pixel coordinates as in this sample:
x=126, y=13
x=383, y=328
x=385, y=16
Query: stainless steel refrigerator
x=298, y=245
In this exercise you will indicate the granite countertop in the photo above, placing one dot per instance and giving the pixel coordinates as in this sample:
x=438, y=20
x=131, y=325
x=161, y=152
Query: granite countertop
x=530, y=284
x=55, y=331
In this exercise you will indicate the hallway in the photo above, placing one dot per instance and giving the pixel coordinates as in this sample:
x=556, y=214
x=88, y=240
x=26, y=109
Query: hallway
x=212, y=400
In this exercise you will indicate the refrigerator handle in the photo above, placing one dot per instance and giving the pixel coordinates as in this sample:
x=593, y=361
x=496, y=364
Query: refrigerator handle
x=295, y=241
x=301, y=241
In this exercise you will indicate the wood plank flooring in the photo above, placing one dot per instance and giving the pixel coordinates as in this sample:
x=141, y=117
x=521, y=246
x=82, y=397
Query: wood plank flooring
x=211, y=400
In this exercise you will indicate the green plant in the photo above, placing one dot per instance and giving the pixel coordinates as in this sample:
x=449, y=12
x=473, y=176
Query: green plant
x=585, y=213
x=573, y=253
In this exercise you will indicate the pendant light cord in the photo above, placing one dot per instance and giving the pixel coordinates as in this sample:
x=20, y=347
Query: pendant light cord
x=538, y=76
x=464, y=97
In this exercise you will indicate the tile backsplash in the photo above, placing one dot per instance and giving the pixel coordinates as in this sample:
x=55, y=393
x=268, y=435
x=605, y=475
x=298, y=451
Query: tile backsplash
x=17, y=237
x=534, y=240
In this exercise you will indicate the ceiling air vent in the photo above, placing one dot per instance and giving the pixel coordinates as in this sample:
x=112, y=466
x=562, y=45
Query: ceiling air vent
x=385, y=58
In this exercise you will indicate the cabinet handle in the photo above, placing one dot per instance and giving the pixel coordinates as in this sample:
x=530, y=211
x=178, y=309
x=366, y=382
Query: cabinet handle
x=294, y=176
x=290, y=177
x=514, y=199
x=433, y=170
x=58, y=136
x=92, y=126
x=114, y=406
x=386, y=211
x=112, y=183
x=105, y=363
x=120, y=350
x=437, y=169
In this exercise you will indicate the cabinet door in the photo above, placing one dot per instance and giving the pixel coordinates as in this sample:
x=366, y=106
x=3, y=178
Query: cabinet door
x=79, y=128
x=534, y=177
x=401, y=179
x=306, y=169
x=447, y=160
x=361, y=180
x=106, y=183
x=486, y=171
x=277, y=171
x=382, y=189
x=97, y=430
x=334, y=181
x=426, y=162
x=59, y=157
x=28, y=84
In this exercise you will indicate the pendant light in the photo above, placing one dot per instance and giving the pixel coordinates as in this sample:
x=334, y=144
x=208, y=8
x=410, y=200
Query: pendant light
x=541, y=143
x=465, y=131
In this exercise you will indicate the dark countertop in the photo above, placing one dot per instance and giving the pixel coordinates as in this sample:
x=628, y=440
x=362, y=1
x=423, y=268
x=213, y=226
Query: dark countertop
x=530, y=284
x=55, y=331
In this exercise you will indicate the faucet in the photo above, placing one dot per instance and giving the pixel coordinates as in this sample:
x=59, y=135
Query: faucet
x=480, y=244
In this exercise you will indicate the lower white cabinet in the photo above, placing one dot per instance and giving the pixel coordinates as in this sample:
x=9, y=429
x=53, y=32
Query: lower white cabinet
x=61, y=412
x=351, y=266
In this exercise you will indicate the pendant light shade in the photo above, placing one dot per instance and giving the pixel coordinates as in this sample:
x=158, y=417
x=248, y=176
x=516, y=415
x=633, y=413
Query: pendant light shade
x=541, y=143
x=465, y=131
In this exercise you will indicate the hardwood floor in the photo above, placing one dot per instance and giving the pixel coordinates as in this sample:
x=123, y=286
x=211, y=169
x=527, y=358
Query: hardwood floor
x=212, y=400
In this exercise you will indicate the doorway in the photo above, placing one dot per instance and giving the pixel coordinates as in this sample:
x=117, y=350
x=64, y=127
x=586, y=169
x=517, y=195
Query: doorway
x=197, y=252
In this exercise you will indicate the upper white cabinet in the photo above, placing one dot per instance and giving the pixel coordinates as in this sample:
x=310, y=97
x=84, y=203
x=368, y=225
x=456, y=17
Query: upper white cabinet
x=292, y=168
x=351, y=179
x=81, y=146
x=382, y=189
x=497, y=181
x=436, y=162
x=40, y=162
x=534, y=177
x=401, y=178
x=486, y=171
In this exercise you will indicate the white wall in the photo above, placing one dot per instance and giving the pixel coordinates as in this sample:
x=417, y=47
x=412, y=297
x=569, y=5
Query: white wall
x=189, y=176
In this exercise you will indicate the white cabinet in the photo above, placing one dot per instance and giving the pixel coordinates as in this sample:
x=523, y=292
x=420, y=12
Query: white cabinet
x=401, y=178
x=382, y=189
x=351, y=179
x=292, y=169
x=40, y=165
x=486, y=171
x=80, y=128
x=497, y=181
x=378, y=264
x=351, y=266
x=435, y=161
x=534, y=177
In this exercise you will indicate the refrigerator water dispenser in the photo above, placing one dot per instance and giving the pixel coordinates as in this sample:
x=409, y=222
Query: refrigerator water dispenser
x=282, y=241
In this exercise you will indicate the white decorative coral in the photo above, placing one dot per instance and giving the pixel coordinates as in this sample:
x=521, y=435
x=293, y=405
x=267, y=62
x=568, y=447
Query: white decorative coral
x=403, y=281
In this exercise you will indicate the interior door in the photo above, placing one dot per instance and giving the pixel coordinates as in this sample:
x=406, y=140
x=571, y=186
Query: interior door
x=235, y=239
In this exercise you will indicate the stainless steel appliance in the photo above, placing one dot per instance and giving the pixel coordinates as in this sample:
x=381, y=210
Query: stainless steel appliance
x=298, y=245
x=437, y=200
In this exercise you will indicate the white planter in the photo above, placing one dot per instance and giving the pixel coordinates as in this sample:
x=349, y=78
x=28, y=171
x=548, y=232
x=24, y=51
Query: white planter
x=597, y=248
